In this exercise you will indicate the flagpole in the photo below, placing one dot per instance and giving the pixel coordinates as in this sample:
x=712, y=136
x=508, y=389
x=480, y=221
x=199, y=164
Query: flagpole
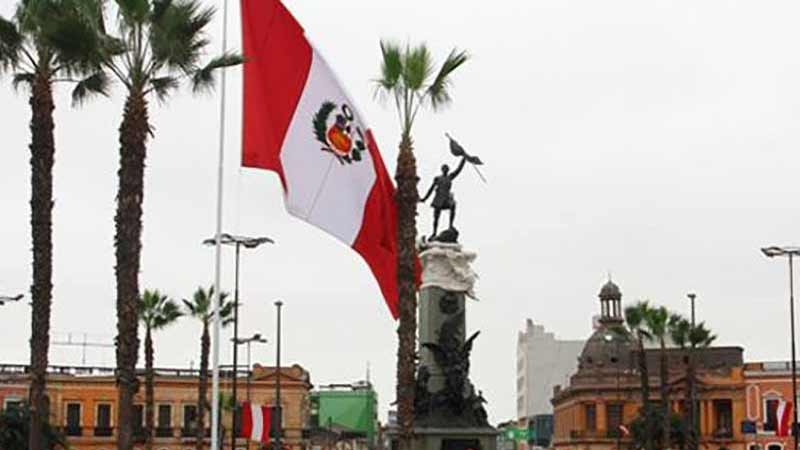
x=215, y=439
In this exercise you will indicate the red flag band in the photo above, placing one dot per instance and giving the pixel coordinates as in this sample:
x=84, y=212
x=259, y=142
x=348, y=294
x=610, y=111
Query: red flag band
x=299, y=122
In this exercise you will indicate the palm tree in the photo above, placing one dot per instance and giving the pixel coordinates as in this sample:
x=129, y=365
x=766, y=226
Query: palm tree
x=158, y=44
x=407, y=78
x=201, y=308
x=657, y=321
x=156, y=312
x=684, y=335
x=635, y=321
x=28, y=50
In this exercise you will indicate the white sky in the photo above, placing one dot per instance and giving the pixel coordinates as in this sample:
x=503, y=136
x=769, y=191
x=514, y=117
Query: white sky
x=656, y=140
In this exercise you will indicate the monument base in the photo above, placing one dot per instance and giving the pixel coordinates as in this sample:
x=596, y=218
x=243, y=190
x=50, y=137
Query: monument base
x=484, y=438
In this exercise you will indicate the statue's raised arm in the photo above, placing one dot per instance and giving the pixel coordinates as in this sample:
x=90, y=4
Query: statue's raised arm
x=459, y=168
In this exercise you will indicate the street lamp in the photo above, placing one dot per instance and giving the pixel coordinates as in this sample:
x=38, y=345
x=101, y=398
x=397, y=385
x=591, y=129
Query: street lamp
x=692, y=388
x=257, y=339
x=238, y=242
x=6, y=298
x=279, y=406
x=609, y=337
x=790, y=252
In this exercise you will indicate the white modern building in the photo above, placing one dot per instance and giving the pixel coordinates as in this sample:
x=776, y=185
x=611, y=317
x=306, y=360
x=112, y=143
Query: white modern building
x=542, y=363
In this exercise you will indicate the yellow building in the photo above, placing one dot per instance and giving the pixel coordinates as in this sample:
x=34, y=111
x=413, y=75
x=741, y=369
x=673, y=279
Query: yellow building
x=83, y=403
x=603, y=397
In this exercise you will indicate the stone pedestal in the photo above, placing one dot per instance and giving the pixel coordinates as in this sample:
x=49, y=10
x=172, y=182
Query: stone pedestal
x=479, y=438
x=449, y=413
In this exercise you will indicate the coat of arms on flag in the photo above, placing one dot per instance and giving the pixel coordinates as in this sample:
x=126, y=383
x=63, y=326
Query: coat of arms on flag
x=339, y=132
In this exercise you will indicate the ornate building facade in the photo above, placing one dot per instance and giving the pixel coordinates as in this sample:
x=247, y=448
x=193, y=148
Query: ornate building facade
x=595, y=410
x=83, y=404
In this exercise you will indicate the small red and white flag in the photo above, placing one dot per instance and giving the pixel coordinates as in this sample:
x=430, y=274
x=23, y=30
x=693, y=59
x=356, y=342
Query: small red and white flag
x=299, y=122
x=256, y=422
x=784, y=416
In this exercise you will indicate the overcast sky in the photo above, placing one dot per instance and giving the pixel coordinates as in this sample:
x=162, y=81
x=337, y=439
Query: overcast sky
x=655, y=140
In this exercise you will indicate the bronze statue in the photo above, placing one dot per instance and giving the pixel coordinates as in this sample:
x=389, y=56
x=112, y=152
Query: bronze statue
x=444, y=200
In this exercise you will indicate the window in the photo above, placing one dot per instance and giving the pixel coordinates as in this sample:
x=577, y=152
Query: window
x=138, y=419
x=12, y=403
x=774, y=447
x=590, y=412
x=189, y=419
x=723, y=414
x=771, y=414
x=164, y=426
x=103, y=420
x=73, y=419
x=613, y=418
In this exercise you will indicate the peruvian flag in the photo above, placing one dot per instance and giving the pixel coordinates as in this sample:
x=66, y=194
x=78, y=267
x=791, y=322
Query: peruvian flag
x=299, y=122
x=784, y=415
x=256, y=422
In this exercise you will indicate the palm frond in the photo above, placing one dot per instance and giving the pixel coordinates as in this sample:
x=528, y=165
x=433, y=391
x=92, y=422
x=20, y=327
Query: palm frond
x=168, y=313
x=438, y=91
x=11, y=41
x=203, y=78
x=177, y=37
x=417, y=67
x=163, y=86
x=76, y=43
x=391, y=67
x=22, y=79
x=133, y=12
x=97, y=83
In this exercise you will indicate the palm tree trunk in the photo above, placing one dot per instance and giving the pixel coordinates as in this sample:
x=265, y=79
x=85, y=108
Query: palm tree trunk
x=202, y=387
x=133, y=136
x=407, y=198
x=644, y=376
x=42, y=150
x=665, y=406
x=149, y=394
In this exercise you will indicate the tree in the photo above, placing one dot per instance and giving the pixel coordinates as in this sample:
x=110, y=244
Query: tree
x=639, y=427
x=15, y=432
x=684, y=335
x=657, y=321
x=407, y=79
x=635, y=321
x=156, y=312
x=157, y=45
x=201, y=308
x=28, y=50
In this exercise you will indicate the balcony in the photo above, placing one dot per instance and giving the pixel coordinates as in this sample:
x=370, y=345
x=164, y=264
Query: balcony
x=595, y=434
x=164, y=432
x=103, y=431
x=722, y=433
x=72, y=430
x=191, y=433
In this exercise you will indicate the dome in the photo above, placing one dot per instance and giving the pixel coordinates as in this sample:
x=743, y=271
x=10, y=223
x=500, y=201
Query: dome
x=610, y=291
x=605, y=348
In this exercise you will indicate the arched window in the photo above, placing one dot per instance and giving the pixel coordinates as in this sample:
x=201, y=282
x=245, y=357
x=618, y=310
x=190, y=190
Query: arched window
x=774, y=447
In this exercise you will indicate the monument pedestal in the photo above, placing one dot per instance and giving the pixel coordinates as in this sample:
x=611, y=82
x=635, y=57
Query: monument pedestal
x=483, y=438
x=449, y=412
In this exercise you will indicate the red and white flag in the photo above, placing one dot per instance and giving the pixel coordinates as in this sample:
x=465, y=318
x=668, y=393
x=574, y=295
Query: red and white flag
x=784, y=416
x=256, y=422
x=298, y=121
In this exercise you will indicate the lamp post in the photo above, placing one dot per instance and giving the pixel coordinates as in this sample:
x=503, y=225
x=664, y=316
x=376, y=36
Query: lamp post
x=278, y=405
x=692, y=387
x=609, y=338
x=7, y=298
x=790, y=252
x=257, y=339
x=237, y=242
